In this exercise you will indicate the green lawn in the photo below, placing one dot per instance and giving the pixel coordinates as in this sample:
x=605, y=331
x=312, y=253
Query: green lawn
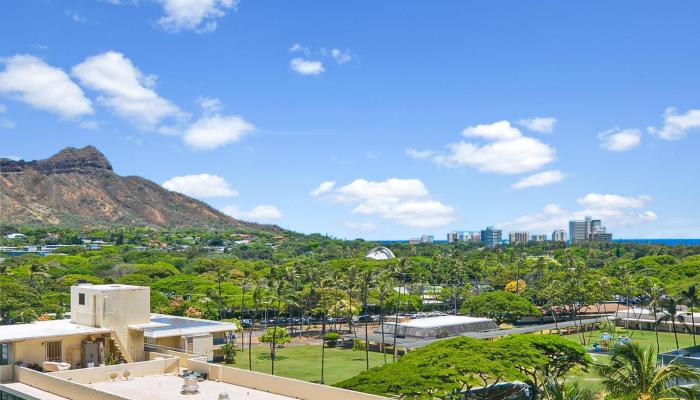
x=304, y=362
x=647, y=338
x=666, y=342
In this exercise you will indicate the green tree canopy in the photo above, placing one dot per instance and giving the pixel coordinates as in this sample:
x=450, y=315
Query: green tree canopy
x=500, y=306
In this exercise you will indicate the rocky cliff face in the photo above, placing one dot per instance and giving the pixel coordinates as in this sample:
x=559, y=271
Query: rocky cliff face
x=78, y=188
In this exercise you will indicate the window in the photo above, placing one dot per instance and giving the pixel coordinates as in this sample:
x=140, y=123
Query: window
x=81, y=299
x=4, y=354
x=53, y=351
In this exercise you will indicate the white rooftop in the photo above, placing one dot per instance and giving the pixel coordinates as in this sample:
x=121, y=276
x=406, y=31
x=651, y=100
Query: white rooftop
x=110, y=287
x=162, y=325
x=448, y=320
x=46, y=329
x=167, y=387
x=32, y=392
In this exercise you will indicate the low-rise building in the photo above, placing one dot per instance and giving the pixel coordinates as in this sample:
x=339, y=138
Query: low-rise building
x=108, y=323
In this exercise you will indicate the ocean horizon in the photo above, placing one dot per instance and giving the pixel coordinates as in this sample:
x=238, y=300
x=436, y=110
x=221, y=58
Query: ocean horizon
x=661, y=241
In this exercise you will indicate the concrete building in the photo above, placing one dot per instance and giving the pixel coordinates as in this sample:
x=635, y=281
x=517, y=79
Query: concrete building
x=108, y=322
x=464, y=236
x=559, y=235
x=518, y=237
x=579, y=230
x=424, y=239
x=491, y=237
x=538, y=238
x=452, y=237
x=588, y=230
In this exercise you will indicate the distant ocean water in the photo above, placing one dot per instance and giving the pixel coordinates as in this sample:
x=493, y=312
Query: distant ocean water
x=666, y=242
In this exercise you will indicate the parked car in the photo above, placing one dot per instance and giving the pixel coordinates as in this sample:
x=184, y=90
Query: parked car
x=366, y=318
x=247, y=323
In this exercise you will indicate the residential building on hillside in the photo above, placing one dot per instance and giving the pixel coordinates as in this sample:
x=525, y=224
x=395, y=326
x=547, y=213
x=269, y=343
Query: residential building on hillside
x=518, y=237
x=491, y=237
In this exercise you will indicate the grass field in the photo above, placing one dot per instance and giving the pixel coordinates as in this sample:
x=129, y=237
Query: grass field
x=304, y=362
x=646, y=338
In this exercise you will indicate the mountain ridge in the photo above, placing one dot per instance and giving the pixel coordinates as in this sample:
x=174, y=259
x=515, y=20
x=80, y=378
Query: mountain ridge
x=77, y=187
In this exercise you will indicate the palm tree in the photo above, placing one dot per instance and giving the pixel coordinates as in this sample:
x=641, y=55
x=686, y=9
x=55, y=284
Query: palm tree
x=367, y=278
x=633, y=373
x=670, y=307
x=655, y=297
x=258, y=298
x=554, y=390
x=400, y=269
x=322, y=284
x=279, y=284
x=244, y=286
x=690, y=297
x=385, y=286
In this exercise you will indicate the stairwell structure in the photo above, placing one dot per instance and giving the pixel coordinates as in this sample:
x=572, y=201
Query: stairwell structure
x=114, y=307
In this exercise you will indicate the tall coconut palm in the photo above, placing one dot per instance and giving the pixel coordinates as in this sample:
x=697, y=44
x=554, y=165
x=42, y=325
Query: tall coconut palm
x=322, y=284
x=350, y=281
x=279, y=284
x=655, y=298
x=690, y=297
x=367, y=279
x=670, y=308
x=400, y=269
x=385, y=286
x=633, y=373
x=245, y=285
x=258, y=299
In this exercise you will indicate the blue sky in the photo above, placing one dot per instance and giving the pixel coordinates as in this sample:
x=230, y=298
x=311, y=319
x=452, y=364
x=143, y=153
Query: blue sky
x=383, y=120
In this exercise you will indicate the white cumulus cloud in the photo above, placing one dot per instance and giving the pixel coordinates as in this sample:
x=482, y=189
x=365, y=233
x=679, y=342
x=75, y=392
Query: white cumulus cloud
x=613, y=209
x=517, y=156
x=501, y=130
x=506, y=151
x=209, y=105
x=539, y=124
x=676, y=126
x=421, y=154
x=324, y=187
x=197, y=15
x=405, y=201
x=340, y=56
x=210, y=132
x=598, y=200
x=260, y=213
x=540, y=179
x=306, y=67
x=201, y=186
x=124, y=89
x=617, y=139
x=29, y=79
